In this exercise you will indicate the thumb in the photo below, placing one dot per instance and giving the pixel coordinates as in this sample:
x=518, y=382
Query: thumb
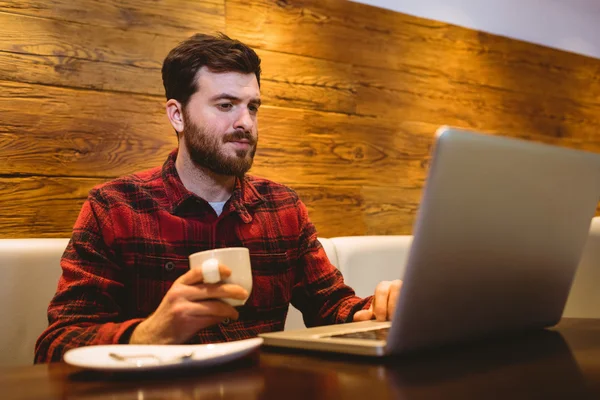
x=363, y=315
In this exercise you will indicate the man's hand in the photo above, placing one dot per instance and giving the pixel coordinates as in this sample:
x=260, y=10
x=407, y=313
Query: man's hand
x=188, y=307
x=383, y=303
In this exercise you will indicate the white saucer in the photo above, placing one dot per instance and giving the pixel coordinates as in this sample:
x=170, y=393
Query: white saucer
x=154, y=357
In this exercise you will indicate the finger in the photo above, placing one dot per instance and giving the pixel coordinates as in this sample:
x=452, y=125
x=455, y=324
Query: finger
x=195, y=276
x=363, y=315
x=202, y=321
x=395, y=288
x=217, y=291
x=381, y=300
x=211, y=308
x=206, y=291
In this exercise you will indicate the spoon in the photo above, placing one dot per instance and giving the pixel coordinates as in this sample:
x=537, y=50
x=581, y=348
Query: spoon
x=137, y=358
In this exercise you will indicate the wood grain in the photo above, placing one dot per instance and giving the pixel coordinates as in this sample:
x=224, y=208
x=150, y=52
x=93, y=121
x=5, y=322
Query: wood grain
x=96, y=57
x=29, y=35
x=362, y=35
x=437, y=72
x=163, y=17
x=353, y=95
x=391, y=94
x=308, y=83
x=432, y=98
x=41, y=206
x=334, y=149
x=360, y=210
x=82, y=133
x=68, y=71
x=63, y=132
x=293, y=91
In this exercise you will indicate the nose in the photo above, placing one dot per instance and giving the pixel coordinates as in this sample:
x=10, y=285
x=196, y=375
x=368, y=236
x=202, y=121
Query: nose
x=244, y=121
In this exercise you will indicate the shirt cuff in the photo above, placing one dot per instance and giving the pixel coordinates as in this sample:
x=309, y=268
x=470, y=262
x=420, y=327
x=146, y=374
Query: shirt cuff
x=125, y=330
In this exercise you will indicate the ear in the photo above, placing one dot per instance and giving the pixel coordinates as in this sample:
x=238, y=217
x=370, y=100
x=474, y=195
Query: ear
x=175, y=114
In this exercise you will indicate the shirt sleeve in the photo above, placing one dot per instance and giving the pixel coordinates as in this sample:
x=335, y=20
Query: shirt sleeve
x=320, y=292
x=86, y=309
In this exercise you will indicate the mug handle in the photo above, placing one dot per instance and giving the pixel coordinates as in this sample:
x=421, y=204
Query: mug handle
x=210, y=271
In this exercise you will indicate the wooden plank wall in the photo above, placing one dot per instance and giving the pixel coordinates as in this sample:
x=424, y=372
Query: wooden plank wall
x=353, y=95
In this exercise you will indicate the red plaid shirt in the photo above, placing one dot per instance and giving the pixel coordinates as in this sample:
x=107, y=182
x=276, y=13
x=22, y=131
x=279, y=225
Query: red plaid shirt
x=132, y=240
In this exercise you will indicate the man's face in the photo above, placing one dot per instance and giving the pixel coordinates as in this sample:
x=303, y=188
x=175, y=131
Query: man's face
x=221, y=130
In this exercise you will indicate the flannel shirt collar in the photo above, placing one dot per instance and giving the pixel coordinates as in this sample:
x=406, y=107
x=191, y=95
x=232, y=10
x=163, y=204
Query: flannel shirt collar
x=244, y=198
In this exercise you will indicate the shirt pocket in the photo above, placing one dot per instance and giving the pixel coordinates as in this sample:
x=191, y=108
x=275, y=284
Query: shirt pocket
x=272, y=280
x=153, y=279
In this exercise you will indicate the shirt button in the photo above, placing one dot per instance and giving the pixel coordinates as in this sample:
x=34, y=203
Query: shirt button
x=226, y=321
x=169, y=266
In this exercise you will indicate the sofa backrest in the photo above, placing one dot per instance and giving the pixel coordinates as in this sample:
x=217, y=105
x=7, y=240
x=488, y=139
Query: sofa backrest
x=584, y=298
x=30, y=268
x=329, y=247
x=294, y=318
x=29, y=272
x=364, y=261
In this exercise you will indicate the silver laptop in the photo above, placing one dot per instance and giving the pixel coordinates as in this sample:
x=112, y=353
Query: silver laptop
x=498, y=237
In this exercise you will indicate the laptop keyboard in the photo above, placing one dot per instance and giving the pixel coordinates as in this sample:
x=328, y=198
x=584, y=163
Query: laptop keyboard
x=375, y=334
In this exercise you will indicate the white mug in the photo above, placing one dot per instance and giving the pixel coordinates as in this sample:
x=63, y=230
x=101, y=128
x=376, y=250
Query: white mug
x=237, y=259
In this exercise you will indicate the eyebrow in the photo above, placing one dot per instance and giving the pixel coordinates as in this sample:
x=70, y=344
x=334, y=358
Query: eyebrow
x=226, y=96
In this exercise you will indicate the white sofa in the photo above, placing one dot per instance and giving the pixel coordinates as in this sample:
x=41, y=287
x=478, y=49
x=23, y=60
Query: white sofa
x=30, y=268
x=364, y=261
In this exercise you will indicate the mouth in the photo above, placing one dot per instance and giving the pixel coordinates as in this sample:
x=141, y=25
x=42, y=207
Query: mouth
x=241, y=144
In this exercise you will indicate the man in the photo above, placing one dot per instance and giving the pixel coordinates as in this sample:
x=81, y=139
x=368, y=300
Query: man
x=126, y=277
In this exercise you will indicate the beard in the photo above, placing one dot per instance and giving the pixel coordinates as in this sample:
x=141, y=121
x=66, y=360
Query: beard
x=206, y=149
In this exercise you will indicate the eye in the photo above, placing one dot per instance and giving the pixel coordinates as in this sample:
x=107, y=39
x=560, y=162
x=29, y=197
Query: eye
x=253, y=108
x=225, y=106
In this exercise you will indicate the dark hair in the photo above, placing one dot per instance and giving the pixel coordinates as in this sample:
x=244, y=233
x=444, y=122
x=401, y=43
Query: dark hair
x=218, y=53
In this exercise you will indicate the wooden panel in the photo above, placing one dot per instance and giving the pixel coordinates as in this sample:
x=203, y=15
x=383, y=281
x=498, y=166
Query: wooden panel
x=85, y=133
x=68, y=41
x=362, y=35
x=81, y=133
x=294, y=91
x=365, y=210
x=284, y=67
x=427, y=97
x=353, y=95
x=308, y=97
x=41, y=206
x=96, y=57
x=425, y=70
x=334, y=30
x=307, y=83
x=54, y=131
x=165, y=17
x=68, y=71
x=333, y=149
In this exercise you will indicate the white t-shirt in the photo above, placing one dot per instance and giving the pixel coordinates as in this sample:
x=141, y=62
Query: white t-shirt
x=218, y=206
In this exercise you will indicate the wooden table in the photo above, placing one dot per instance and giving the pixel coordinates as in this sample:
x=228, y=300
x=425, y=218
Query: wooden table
x=562, y=363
